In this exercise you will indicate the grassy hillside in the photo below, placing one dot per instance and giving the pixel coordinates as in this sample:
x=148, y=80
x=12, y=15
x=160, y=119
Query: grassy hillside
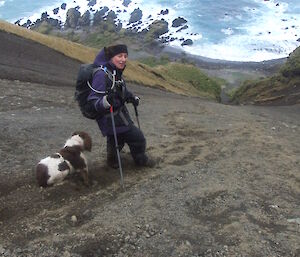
x=178, y=78
x=283, y=88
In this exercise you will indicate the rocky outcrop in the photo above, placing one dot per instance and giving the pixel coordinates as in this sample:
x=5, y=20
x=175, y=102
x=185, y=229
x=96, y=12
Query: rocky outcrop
x=111, y=15
x=136, y=15
x=178, y=22
x=72, y=18
x=126, y=3
x=63, y=6
x=85, y=19
x=56, y=10
x=158, y=28
x=99, y=15
x=164, y=12
x=187, y=42
x=92, y=3
x=44, y=16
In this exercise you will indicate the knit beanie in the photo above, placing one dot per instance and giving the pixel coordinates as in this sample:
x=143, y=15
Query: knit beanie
x=111, y=51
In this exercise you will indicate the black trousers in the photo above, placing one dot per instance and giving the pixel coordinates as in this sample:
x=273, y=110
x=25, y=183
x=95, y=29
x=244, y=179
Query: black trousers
x=136, y=142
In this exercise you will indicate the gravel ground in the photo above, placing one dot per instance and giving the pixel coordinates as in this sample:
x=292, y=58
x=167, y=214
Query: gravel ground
x=227, y=182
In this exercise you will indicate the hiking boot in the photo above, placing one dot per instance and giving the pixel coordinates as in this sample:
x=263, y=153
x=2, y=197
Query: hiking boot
x=150, y=163
x=112, y=163
x=146, y=162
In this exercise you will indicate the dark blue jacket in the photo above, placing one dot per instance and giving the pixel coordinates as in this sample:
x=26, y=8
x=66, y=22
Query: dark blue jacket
x=101, y=82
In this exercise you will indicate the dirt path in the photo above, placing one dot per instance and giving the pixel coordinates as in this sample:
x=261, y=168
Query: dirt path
x=227, y=183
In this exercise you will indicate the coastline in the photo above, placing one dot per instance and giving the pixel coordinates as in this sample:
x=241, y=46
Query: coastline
x=269, y=66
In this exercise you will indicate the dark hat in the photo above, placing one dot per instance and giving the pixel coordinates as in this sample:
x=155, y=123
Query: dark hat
x=111, y=51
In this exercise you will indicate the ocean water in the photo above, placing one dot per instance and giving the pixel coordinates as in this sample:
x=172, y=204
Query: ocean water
x=236, y=30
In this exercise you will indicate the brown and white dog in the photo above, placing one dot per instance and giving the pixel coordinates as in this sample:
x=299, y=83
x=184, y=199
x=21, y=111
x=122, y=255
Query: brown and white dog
x=53, y=169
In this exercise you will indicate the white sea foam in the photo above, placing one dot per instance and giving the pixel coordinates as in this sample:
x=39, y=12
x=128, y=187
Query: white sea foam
x=270, y=33
x=2, y=3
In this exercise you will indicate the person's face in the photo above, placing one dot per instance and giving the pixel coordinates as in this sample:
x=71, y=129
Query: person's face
x=119, y=60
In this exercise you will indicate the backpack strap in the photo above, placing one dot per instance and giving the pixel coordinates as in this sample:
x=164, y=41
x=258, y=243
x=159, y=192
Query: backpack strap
x=111, y=76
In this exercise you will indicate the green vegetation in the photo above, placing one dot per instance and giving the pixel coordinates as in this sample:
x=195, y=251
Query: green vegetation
x=45, y=28
x=153, y=61
x=282, y=88
x=194, y=76
x=292, y=66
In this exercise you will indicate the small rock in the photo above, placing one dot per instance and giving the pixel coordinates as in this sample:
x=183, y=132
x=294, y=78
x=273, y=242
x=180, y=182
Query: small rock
x=74, y=219
x=296, y=220
x=2, y=250
x=188, y=243
x=66, y=254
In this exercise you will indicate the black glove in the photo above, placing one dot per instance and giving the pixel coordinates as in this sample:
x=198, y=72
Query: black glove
x=111, y=99
x=135, y=100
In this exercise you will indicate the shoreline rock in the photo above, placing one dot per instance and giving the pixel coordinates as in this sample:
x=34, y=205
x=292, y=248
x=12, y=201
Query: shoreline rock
x=156, y=29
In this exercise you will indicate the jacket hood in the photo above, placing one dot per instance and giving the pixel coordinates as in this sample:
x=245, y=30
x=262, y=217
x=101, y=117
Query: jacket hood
x=101, y=59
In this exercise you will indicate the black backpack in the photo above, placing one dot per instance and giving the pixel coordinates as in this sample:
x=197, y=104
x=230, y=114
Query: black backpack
x=84, y=87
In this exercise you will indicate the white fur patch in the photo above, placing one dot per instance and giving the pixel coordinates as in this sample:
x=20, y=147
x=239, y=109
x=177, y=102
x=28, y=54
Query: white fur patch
x=74, y=140
x=56, y=175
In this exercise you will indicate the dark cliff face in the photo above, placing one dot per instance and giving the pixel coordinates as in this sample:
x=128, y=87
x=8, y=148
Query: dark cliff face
x=26, y=60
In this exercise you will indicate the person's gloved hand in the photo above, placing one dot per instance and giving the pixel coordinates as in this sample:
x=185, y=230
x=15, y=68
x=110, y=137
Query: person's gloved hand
x=135, y=100
x=111, y=99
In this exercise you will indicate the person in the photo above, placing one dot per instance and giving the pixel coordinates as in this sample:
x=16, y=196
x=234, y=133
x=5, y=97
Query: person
x=109, y=80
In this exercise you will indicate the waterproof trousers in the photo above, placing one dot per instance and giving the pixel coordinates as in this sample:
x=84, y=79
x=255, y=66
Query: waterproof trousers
x=136, y=141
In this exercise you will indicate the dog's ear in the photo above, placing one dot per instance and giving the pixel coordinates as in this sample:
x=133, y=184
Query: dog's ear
x=87, y=141
x=76, y=133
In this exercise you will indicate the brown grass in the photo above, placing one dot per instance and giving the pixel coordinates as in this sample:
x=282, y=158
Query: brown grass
x=135, y=71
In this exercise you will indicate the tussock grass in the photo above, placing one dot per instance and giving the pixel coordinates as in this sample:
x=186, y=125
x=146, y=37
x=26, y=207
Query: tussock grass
x=68, y=48
x=178, y=78
x=282, y=87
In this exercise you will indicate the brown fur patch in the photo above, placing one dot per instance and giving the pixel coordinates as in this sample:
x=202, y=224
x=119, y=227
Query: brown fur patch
x=72, y=154
x=86, y=139
x=42, y=174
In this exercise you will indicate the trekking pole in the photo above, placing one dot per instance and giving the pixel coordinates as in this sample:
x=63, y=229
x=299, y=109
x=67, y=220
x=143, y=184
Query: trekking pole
x=137, y=115
x=117, y=145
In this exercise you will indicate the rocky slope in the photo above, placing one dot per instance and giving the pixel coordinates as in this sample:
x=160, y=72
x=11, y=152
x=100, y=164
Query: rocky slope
x=283, y=88
x=227, y=183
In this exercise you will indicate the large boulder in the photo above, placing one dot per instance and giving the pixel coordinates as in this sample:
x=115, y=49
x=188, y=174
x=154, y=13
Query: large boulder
x=111, y=15
x=187, y=42
x=72, y=19
x=56, y=10
x=158, y=28
x=44, y=16
x=63, y=6
x=126, y=3
x=136, y=15
x=92, y=3
x=178, y=22
x=98, y=16
x=164, y=12
x=85, y=19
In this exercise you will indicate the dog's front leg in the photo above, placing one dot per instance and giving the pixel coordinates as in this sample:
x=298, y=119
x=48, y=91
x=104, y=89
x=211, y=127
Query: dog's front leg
x=85, y=177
